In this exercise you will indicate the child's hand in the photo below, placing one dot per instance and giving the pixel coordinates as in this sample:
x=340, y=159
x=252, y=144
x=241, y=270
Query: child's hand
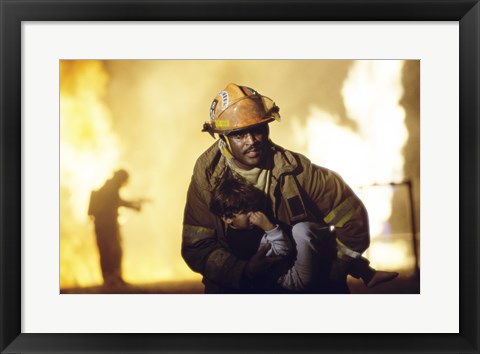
x=259, y=219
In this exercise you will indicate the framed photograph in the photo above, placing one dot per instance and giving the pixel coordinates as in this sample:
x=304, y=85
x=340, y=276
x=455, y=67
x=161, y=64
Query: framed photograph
x=106, y=108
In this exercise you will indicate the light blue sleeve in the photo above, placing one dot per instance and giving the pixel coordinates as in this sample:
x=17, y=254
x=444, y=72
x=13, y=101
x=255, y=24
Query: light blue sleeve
x=281, y=244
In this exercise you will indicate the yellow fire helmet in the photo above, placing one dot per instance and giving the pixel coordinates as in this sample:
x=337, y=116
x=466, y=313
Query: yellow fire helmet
x=239, y=107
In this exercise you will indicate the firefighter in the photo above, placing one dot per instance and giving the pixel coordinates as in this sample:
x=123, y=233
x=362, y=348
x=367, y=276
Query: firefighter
x=297, y=191
x=103, y=209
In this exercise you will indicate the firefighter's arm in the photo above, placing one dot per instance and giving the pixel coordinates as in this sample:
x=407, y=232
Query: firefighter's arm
x=201, y=249
x=342, y=209
x=132, y=204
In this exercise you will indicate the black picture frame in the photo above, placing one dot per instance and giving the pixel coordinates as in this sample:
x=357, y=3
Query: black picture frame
x=13, y=12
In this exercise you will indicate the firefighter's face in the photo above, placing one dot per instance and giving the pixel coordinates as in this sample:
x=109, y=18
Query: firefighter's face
x=249, y=146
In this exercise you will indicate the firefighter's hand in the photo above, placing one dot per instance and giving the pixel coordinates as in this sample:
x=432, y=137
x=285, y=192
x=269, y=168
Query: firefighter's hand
x=259, y=219
x=339, y=269
x=136, y=205
x=260, y=264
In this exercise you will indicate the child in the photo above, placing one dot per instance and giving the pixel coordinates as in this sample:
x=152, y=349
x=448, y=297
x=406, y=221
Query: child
x=238, y=204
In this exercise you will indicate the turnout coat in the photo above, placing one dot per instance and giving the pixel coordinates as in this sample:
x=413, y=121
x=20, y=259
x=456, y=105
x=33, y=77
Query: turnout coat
x=299, y=191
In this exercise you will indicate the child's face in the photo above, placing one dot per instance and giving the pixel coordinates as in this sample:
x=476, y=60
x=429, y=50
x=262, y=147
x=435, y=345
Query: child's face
x=239, y=221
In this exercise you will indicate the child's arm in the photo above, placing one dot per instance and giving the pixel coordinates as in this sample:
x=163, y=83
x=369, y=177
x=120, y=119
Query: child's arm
x=281, y=245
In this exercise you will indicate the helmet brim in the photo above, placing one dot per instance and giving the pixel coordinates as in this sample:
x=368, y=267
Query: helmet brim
x=246, y=127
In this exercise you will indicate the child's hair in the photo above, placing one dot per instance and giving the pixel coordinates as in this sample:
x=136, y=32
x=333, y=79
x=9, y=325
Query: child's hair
x=233, y=195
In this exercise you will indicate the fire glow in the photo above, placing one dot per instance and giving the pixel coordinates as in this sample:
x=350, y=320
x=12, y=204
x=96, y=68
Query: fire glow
x=142, y=116
x=369, y=151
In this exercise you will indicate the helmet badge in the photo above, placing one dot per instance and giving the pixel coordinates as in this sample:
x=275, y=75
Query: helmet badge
x=212, y=109
x=224, y=95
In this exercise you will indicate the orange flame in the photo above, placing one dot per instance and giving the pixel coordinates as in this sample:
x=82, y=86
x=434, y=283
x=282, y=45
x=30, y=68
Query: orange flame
x=90, y=151
x=369, y=150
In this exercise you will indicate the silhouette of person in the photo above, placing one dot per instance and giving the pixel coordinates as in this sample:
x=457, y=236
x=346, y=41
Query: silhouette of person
x=103, y=208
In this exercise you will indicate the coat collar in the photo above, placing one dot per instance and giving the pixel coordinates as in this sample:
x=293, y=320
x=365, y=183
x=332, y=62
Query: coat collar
x=284, y=162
